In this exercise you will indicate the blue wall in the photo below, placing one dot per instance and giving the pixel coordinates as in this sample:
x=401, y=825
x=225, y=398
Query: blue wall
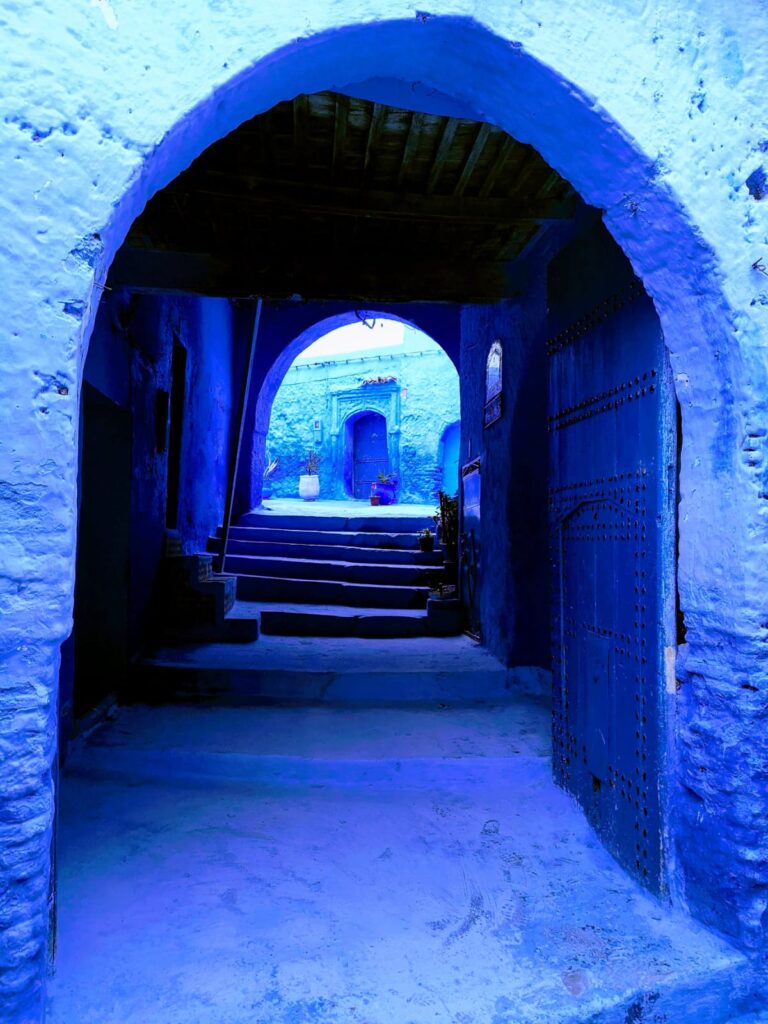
x=421, y=401
x=129, y=362
x=514, y=567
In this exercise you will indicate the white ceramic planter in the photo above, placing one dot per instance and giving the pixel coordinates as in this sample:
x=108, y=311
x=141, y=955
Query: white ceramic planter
x=309, y=487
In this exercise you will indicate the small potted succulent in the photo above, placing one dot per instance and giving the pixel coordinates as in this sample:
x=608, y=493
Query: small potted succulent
x=427, y=540
x=384, y=488
x=309, y=481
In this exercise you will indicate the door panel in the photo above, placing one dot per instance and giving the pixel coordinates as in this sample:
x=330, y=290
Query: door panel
x=612, y=521
x=369, y=440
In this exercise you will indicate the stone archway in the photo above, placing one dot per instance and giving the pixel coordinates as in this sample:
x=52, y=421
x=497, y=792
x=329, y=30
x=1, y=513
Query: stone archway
x=707, y=322
x=428, y=321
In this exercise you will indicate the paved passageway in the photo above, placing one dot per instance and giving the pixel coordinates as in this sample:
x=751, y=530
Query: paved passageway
x=335, y=864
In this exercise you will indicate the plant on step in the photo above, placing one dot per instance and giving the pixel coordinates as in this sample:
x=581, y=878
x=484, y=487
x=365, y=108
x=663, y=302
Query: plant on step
x=427, y=540
x=448, y=520
x=383, y=488
x=270, y=465
x=309, y=481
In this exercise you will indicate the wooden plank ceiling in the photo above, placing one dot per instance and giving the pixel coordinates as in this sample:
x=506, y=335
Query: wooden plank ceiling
x=327, y=196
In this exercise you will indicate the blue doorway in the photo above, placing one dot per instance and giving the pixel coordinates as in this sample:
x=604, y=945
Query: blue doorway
x=612, y=463
x=449, y=458
x=369, y=452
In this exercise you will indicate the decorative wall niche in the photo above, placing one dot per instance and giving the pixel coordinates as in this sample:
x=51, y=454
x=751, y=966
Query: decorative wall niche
x=383, y=398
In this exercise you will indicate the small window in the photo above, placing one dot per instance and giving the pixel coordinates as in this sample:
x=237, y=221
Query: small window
x=493, y=383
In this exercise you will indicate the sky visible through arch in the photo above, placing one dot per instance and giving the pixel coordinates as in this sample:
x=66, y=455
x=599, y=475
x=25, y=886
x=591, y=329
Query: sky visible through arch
x=353, y=338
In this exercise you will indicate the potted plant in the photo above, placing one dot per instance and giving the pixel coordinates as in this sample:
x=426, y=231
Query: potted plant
x=427, y=540
x=309, y=481
x=270, y=465
x=448, y=520
x=384, y=487
x=449, y=524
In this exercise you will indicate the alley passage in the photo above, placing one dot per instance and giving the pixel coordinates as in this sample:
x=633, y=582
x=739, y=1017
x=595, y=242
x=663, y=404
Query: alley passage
x=397, y=864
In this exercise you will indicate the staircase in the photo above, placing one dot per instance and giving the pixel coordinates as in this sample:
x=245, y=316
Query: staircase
x=361, y=576
x=195, y=603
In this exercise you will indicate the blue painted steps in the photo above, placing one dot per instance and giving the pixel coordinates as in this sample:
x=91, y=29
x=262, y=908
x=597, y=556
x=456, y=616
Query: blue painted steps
x=328, y=575
x=368, y=523
x=335, y=570
x=250, y=541
x=309, y=591
x=325, y=620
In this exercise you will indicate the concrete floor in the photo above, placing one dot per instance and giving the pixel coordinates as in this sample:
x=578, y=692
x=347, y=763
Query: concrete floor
x=350, y=508
x=288, y=865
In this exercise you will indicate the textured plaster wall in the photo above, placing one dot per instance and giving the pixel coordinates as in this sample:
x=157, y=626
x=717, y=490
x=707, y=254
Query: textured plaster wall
x=429, y=401
x=129, y=360
x=654, y=111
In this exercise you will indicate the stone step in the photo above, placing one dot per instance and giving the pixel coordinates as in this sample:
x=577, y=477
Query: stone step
x=322, y=620
x=376, y=670
x=330, y=592
x=232, y=630
x=351, y=524
x=347, y=572
x=384, y=539
x=334, y=552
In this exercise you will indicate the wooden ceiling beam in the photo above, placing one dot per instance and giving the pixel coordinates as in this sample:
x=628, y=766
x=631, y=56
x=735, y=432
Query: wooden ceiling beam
x=300, y=132
x=410, y=147
x=505, y=151
x=473, y=156
x=193, y=273
x=443, y=149
x=378, y=114
x=340, y=123
x=330, y=201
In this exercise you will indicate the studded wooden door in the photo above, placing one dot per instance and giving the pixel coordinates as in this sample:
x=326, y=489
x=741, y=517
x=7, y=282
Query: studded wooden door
x=371, y=456
x=612, y=502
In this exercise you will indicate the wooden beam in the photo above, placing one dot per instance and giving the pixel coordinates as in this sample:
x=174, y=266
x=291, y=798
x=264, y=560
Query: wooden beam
x=374, y=130
x=324, y=200
x=341, y=120
x=268, y=142
x=443, y=149
x=505, y=151
x=408, y=280
x=474, y=155
x=300, y=130
x=411, y=145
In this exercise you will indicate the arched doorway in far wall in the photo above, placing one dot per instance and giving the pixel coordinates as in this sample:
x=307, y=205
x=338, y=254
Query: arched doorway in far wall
x=449, y=458
x=336, y=369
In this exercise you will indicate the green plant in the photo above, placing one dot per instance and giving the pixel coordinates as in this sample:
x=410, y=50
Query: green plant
x=312, y=464
x=426, y=532
x=449, y=520
x=387, y=478
x=270, y=465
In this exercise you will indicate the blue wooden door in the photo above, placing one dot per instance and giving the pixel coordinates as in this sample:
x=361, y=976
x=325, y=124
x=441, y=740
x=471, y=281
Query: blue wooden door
x=612, y=507
x=451, y=440
x=370, y=452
